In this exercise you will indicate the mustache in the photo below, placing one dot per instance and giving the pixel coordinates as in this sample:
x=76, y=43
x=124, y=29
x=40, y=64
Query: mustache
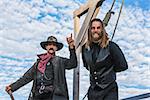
x=98, y=33
x=51, y=49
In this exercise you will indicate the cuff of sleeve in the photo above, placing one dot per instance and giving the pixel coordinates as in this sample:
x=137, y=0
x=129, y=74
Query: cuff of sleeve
x=72, y=49
x=12, y=88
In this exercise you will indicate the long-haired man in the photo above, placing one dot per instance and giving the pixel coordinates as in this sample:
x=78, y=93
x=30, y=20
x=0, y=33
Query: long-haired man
x=103, y=58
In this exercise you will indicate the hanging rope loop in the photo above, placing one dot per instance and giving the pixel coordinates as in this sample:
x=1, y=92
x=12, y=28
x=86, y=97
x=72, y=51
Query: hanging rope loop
x=108, y=14
x=117, y=20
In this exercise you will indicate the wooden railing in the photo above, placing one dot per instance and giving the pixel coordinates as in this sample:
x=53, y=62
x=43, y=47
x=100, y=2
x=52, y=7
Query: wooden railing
x=139, y=97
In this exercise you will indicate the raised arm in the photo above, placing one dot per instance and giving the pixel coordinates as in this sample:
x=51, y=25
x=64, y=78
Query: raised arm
x=72, y=61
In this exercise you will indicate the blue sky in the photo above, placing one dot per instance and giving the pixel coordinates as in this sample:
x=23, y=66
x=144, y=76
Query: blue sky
x=144, y=4
x=25, y=23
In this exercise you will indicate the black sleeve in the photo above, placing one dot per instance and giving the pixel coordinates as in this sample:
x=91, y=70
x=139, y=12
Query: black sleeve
x=72, y=61
x=83, y=59
x=26, y=78
x=118, y=58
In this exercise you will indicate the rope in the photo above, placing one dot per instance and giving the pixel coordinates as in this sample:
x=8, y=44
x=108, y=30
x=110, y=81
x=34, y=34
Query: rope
x=117, y=19
x=85, y=96
x=112, y=4
x=108, y=15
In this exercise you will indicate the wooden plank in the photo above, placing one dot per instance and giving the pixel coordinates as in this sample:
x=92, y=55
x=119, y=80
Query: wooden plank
x=96, y=12
x=76, y=77
x=84, y=9
x=85, y=37
x=81, y=11
x=76, y=26
x=81, y=35
x=76, y=73
x=85, y=24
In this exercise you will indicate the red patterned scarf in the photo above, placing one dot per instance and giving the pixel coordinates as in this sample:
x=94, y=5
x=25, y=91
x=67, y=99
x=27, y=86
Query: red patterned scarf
x=44, y=58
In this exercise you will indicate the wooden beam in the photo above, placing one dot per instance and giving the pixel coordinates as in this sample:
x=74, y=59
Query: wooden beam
x=76, y=26
x=84, y=9
x=85, y=24
x=96, y=12
x=92, y=9
x=76, y=73
x=85, y=37
x=81, y=11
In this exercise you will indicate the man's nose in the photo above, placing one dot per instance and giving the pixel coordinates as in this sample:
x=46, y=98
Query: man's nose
x=95, y=30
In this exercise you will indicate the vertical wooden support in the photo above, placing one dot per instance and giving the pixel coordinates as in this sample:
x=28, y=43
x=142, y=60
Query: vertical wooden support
x=92, y=9
x=76, y=76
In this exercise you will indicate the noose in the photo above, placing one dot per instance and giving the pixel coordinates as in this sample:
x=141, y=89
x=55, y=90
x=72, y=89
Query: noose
x=117, y=19
x=108, y=16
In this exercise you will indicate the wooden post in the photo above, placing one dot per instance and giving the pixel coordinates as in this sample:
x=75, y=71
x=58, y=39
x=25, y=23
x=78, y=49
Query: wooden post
x=76, y=74
x=91, y=8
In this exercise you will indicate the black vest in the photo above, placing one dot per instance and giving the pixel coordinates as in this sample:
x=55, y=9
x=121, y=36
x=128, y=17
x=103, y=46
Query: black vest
x=101, y=70
x=48, y=77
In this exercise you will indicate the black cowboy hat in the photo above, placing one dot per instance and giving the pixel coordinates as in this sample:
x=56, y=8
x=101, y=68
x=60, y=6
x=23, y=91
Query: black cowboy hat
x=51, y=39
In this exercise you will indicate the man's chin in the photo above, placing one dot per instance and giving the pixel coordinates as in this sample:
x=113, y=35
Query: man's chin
x=96, y=36
x=96, y=39
x=51, y=51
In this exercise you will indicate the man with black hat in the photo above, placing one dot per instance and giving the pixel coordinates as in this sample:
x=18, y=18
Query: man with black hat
x=48, y=73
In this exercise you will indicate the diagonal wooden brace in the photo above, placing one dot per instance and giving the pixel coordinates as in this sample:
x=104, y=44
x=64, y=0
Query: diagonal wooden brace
x=93, y=5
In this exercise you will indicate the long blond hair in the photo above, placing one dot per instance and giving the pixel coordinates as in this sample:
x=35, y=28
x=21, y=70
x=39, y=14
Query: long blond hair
x=103, y=41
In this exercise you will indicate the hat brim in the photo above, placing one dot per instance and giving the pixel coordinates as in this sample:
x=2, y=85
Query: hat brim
x=58, y=45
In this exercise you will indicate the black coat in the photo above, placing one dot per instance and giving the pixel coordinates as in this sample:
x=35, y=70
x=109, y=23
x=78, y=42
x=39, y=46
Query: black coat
x=60, y=84
x=104, y=64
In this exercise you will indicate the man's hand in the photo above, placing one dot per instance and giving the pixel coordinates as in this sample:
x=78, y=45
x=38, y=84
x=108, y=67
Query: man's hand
x=70, y=42
x=8, y=88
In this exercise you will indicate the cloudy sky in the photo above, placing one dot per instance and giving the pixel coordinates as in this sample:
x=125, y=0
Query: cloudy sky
x=25, y=23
